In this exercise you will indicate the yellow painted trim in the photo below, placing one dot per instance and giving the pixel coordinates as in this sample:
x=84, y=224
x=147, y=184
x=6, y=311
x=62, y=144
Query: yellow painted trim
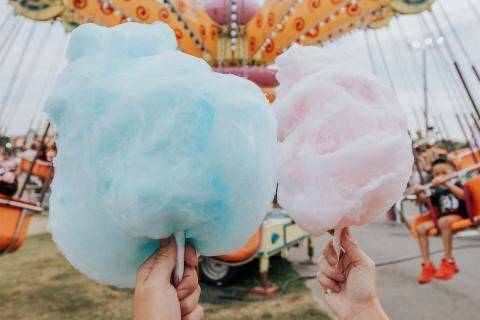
x=49, y=13
x=402, y=7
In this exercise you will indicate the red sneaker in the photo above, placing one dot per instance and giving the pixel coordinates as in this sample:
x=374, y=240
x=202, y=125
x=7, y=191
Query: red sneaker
x=447, y=269
x=428, y=272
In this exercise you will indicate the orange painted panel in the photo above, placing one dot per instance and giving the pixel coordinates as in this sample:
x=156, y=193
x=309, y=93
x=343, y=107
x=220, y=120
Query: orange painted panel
x=93, y=11
x=200, y=23
x=306, y=16
x=149, y=11
x=264, y=22
x=353, y=17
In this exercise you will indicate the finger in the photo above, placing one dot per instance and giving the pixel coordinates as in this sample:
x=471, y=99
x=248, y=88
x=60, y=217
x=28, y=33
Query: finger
x=196, y=314
x=191, y=258
x=327, y=283
x=188, y=304
x=353, y=252
x=330, y=271
x=329, y=253
x=145, y=270
x=165, y=260
x=188, y=284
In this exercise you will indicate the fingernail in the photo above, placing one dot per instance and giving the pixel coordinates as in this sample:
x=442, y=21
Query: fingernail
x=337, y=288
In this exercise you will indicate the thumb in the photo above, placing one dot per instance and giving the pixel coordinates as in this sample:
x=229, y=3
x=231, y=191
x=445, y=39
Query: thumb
x=159, y=266
x=165, y=260
x=352, y=251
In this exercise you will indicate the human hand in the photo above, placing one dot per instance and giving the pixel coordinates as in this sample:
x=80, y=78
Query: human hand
x=417, y=188
x=349, y=283
x=155, y=296
x=439, y=180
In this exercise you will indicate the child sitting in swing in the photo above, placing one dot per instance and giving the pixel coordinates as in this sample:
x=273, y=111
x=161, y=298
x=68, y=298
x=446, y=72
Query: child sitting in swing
x=448, y=198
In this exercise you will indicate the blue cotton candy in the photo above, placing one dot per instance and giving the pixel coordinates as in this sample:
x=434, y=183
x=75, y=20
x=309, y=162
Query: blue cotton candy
x=152, y=141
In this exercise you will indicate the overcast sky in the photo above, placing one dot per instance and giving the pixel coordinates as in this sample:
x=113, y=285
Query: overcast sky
x=45, y=58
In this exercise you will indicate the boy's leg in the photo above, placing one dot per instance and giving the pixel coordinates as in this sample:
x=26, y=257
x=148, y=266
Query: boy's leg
x=444, y=224
x=422, y=232
x=428, y=268
x=448, y=267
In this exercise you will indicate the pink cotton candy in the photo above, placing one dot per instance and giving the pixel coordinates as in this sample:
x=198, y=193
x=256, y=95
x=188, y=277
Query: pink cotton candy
x=344, y=153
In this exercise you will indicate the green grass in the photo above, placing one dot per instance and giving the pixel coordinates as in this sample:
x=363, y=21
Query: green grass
x=38, y=283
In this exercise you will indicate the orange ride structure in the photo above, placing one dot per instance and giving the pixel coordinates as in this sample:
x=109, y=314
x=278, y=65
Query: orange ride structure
x=234, y=36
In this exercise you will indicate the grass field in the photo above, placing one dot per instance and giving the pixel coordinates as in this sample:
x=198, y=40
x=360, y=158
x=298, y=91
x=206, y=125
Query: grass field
x=38, y=283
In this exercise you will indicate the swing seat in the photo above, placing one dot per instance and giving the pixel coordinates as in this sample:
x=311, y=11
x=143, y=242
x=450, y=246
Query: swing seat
x=41, y=169
x=247, y=252
x=15, y=215
x=463, y=158
x=472, y=200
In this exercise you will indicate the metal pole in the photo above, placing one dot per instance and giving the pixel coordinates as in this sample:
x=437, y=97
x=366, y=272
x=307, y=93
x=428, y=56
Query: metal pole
x=474, y=9
x=457, y=68
x=370, y=53
x=472, y=150
x=8, y=92
x=457, y=37
x=425, y=88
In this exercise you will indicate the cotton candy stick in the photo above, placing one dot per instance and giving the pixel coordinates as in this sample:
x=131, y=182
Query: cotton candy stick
x=337, y=236
x=180, y=265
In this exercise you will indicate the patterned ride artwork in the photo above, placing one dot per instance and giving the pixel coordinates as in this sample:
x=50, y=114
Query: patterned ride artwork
x=230, y=32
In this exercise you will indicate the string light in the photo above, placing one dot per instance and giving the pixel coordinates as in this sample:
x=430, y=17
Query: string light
x=322, y=23
x=233, y=24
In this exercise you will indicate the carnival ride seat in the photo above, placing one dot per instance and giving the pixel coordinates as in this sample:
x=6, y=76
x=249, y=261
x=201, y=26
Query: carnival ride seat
x=248, y=252
x=275, y=236
x=15, y=215
x=472, y=200
x=464, y=158
x=41, y=169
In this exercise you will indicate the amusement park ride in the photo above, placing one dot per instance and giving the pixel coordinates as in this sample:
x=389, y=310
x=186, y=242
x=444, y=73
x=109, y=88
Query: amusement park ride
x=240, y=37
x=234, y=36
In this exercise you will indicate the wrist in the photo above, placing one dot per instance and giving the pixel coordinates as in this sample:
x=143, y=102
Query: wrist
x=369, y=311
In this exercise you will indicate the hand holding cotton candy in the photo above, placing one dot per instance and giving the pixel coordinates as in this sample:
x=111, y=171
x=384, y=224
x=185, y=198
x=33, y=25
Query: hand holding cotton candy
x=345, y=154
x=152, y=143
